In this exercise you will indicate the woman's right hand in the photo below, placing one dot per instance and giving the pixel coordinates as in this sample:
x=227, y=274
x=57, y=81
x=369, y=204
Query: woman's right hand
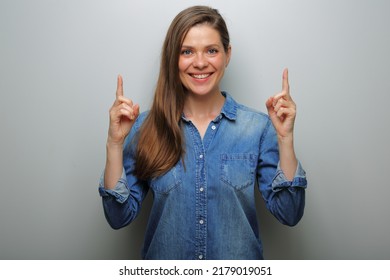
x=123, y=114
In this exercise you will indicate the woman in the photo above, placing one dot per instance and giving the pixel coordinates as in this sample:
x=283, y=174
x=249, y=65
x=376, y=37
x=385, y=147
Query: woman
x=200, y=153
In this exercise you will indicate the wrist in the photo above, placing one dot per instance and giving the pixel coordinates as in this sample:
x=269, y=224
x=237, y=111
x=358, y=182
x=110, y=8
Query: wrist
x=286, y=139
x=287, y=157
x=114, y=146
x=286, y=147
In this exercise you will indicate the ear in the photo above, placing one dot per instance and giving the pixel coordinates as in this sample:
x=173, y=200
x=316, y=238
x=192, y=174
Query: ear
x=228, y=55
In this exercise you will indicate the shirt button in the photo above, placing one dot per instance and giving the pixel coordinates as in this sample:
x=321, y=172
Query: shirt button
x=201, y=222
x=200, y=257
x=213, y=127
x=201, y=156
x=201, y=189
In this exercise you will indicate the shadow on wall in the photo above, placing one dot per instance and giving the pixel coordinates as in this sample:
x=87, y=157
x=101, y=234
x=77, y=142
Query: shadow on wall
x=130, y=239
x=280, y=242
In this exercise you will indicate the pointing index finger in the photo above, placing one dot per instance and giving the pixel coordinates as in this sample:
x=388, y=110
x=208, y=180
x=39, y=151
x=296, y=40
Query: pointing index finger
x=119, y=86
x=285, y=84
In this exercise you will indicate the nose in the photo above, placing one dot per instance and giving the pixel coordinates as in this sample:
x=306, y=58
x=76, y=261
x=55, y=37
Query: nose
x=200, y=61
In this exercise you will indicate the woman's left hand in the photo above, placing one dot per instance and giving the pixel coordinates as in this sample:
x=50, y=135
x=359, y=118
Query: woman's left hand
x=282, y=109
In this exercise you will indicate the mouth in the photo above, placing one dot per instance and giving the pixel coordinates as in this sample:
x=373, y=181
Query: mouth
x=201, y=76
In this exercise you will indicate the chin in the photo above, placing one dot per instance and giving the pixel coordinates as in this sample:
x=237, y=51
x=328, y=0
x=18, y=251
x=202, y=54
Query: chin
x=199, y=92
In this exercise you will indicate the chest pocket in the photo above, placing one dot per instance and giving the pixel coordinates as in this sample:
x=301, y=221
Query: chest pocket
x=167, y=182
x=238, y=170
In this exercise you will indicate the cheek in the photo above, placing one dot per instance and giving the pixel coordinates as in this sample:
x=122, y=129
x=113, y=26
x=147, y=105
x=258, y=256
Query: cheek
x=182, y=68
x=219, y=63
x=183, y=64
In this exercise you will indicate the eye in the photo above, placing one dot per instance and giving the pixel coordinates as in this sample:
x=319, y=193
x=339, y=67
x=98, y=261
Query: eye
x=186, y=52
x=212, y=51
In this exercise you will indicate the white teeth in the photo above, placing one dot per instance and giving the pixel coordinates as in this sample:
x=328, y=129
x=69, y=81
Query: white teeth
x=201, y=76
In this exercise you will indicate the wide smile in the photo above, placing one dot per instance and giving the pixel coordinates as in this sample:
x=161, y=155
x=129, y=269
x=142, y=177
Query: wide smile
x=202, y=76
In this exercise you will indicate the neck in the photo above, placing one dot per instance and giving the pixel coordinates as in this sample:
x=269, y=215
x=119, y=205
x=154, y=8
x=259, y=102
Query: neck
x=203, y=107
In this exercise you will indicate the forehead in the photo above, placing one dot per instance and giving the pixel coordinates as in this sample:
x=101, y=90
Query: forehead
x=202, y=34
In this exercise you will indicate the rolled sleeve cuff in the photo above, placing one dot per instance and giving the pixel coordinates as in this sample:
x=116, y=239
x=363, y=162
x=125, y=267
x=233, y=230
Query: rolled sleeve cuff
x=280, y=181
x=120, y=192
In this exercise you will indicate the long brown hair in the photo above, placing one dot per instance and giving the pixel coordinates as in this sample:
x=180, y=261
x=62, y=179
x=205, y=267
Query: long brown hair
x=160, y=142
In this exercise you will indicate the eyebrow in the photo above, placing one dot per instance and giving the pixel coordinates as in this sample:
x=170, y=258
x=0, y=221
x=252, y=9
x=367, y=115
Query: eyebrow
x=208, y=46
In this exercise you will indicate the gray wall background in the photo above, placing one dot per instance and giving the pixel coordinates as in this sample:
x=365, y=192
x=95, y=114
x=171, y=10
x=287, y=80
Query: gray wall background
x=58, y=66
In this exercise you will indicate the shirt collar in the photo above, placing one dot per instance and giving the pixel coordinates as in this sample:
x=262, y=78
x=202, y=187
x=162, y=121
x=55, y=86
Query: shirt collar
x=229, y=109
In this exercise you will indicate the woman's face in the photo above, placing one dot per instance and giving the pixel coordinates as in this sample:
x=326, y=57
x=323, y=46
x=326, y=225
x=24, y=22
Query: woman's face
x=202, y=60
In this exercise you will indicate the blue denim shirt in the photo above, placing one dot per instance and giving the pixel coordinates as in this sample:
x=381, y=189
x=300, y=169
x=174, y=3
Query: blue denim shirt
x=205, y=209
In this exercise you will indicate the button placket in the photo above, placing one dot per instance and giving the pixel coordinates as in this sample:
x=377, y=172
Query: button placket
x=200, y=210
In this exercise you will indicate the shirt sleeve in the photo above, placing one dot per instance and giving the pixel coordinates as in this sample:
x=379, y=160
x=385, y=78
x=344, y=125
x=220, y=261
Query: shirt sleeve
x=120, y=192
x=284, y=199
x=122, y=204
x=280, y=181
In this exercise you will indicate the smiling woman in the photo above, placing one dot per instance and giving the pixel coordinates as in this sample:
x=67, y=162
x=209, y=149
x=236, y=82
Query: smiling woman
x=201, y=153
x=203, y=60
x=202, y=65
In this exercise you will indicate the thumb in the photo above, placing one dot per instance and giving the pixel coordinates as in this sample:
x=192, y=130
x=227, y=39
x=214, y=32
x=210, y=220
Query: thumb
x=269, y=104
x=136, y=110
